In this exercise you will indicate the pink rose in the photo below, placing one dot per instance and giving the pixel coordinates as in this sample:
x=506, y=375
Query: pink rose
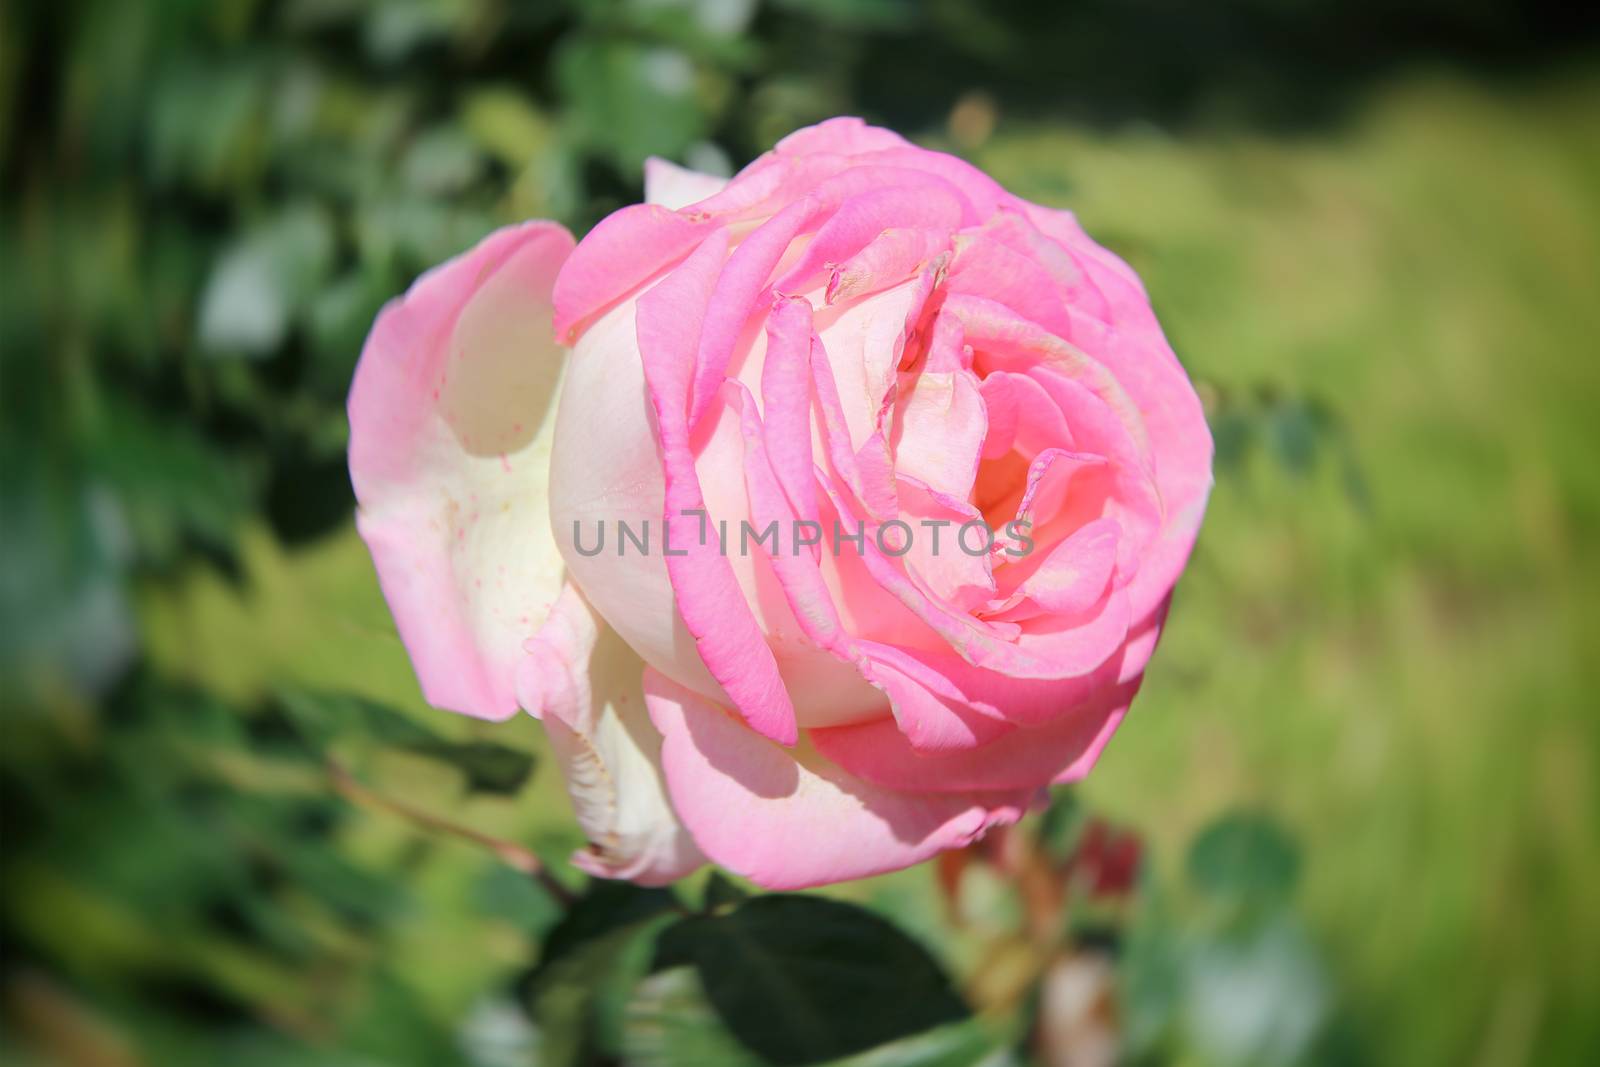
x=907, y=472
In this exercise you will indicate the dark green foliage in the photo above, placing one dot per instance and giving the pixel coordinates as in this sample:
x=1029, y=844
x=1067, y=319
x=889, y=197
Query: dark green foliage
x=486, y=767
x=802, y=980
x=1246, y=858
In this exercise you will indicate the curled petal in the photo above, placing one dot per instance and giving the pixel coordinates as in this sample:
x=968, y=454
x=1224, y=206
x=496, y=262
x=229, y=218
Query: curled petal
x=939, y=430
x=584, y=679
x=888, y=259
x=708, y=595
x=450, y=429
x=625, y=250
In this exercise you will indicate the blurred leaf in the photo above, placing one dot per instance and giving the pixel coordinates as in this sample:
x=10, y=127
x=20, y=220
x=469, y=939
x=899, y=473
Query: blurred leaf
x=630, y=100
x=792, y=977
x=1294, y=431
x=323, y=718
x=858, y=14
x=488, y=767
x=442, y=161
x=1258, y=1001
x=1151, y=975
x=200, y=121
x=593, y=959
x=245, y=308
x=604, y=906
x=670, y=1023
x=1061, y=822
x=170, y=481
x=396, y=28
x=259, y=284
x=506, y=124
x=1246, y=858
x=64, y=615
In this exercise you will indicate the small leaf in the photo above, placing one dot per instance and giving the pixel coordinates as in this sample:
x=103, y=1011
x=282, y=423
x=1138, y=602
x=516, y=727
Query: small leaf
x=441, y=161
x=1245, y=857
x=488, y=767
x=801, y=979
x=506, y=124
x=244, y=308
x=324, y=717
x=1294, y=432
x=1061, y=823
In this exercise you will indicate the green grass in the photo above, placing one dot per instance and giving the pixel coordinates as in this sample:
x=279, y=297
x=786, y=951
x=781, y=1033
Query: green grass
x=1402, y=681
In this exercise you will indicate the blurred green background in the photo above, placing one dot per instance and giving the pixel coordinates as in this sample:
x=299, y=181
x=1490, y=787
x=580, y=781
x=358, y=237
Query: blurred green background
x=1371, y=229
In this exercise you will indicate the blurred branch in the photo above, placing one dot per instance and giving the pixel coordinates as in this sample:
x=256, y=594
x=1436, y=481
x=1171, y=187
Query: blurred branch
x=511, y=854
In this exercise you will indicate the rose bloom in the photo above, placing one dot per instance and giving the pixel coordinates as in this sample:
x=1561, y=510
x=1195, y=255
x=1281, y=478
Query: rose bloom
x=851, y=331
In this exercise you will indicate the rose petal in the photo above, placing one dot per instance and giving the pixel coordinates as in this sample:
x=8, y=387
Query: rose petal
x=787, y=820
x=450, y=433
x=888, y=259
x=939, y=430
x=585, y=680
x=1065, y=746
x=626, y=249
x=710, y=601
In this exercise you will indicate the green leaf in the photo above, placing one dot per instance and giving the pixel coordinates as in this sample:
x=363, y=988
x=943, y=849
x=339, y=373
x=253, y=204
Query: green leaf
x=1061, y=823
x=323, y=718
x=488, y=767
x=631, y=100
x=1246, y=858
x=1260, y=999
x=604, y=906
x=670, y=1023
x=442, y=161
x=506, y=124
x=721, y=893
x=593, y=959
x=261, y=283
x=801, y=979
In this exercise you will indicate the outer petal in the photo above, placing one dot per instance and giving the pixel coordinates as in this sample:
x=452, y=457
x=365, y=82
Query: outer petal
x=450, y=433
x=1061, y=750
x=1137, y=352
x=585, y=680
x=627, y=248
x=786, y=819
